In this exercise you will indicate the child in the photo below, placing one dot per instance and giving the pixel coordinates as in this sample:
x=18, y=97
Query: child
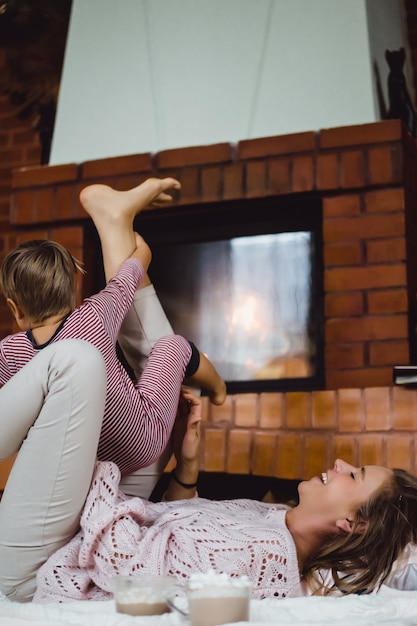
x=38, y=281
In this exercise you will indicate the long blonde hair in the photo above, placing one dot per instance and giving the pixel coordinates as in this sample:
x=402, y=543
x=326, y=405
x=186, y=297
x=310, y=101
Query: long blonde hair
x=359, y=562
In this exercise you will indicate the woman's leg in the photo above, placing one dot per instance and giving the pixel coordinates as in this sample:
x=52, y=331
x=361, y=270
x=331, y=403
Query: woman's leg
x=113, y=213
x=144, y=324
x=51, y=411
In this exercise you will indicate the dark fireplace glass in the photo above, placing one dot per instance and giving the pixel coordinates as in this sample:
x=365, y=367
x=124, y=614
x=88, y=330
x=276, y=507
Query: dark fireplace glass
x=244, y=286
x=245, y=301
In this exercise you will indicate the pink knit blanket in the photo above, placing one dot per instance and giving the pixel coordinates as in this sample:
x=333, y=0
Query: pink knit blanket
x=134, y=536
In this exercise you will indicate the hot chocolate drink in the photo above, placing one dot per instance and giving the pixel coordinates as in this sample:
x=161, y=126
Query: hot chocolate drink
x=143, y=595
x=215, y=599
x=142, y=608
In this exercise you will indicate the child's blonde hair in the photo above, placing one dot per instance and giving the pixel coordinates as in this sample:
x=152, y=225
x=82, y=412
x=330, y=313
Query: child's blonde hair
x=39, y=276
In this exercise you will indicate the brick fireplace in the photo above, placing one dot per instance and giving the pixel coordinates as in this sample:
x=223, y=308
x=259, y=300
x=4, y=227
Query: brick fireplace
x=366, y=178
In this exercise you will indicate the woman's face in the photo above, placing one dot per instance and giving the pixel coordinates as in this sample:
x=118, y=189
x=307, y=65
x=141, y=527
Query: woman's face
x=339, y=492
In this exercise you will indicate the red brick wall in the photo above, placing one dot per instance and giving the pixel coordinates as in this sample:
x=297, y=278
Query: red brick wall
x=19, y=146
x=365, y=175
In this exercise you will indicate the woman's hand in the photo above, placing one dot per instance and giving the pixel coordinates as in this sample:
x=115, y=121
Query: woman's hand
x=187, y=429
x=186, y=443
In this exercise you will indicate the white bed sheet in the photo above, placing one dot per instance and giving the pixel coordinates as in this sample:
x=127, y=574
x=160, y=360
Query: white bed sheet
x=386, y=609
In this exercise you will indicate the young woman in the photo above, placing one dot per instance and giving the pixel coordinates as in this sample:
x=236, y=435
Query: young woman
x=355, y=521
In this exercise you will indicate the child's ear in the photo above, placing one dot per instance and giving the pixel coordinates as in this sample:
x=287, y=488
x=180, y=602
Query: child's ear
x=17, y=312
x=346, y=526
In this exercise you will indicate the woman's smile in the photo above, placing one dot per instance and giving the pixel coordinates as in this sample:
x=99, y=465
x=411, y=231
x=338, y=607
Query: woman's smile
x=343, y=488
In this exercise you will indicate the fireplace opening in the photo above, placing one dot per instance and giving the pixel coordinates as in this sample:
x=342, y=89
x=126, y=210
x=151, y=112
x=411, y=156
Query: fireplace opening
x=243, y=280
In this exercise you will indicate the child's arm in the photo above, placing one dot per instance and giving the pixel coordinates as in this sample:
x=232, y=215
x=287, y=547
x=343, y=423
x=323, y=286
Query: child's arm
x=9, y=367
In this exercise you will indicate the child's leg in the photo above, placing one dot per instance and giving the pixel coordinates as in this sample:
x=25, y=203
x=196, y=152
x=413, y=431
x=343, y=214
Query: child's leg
x=139, y=436
x=172, y=359
x=149, y=321
x=113, y=213
x=143, y=325
x=145, y=321
x=51, y=411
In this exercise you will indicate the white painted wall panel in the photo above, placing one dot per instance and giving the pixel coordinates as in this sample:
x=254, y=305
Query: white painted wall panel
x=146, y=75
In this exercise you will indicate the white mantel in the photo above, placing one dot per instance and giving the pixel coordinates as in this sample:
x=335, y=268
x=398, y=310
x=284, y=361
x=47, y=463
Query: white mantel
x=147, y=75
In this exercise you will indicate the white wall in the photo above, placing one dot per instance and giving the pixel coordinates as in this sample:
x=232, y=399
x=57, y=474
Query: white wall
x=146, y=75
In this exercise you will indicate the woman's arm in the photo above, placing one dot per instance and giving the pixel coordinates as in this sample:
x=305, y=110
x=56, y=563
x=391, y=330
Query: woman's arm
x=186, y=448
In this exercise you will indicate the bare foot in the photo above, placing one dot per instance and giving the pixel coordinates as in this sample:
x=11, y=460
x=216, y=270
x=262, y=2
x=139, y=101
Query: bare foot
x=219, y=395
x=113, y=213
x=106, y=205
x=207, y=377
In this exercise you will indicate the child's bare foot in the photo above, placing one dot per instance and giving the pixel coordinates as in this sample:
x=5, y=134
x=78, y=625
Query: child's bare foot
x=218, y=396
x=207, y=377
x=107, y=206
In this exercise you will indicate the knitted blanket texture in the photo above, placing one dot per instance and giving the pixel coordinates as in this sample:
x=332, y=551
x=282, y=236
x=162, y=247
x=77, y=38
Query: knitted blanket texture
x=131, y=536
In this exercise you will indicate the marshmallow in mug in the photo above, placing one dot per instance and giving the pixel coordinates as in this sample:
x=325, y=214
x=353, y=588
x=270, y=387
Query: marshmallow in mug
x=142, y=594
x=215, y=599
x=213, y=582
